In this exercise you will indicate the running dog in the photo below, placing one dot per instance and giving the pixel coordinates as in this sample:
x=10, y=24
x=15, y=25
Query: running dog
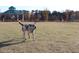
x=27, y=28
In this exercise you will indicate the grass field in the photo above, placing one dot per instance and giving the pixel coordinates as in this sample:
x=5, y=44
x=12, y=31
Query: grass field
x=50, y=37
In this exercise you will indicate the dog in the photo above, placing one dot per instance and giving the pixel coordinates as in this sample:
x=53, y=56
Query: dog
x=29, y=28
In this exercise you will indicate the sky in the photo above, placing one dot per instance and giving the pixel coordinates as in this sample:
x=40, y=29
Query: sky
x=58, y=5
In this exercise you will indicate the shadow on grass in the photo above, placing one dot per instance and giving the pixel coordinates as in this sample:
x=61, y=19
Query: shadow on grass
x=8, y=43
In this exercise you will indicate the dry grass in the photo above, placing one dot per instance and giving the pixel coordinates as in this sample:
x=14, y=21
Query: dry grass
x=50, y=37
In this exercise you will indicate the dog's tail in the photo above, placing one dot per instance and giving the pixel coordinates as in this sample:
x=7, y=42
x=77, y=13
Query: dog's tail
x=20, y=22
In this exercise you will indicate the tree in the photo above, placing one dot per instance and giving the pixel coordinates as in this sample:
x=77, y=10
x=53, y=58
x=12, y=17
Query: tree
x=46, y=14
x=55, y=15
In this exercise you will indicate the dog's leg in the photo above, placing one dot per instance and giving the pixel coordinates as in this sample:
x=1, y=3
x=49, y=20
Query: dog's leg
x=28, y=35
x=33, y=36
x=24, y=35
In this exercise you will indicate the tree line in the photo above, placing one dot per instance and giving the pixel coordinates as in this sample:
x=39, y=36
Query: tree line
x=38, y=15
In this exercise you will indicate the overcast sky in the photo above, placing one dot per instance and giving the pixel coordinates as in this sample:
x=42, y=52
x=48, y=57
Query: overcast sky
x=59, y=5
